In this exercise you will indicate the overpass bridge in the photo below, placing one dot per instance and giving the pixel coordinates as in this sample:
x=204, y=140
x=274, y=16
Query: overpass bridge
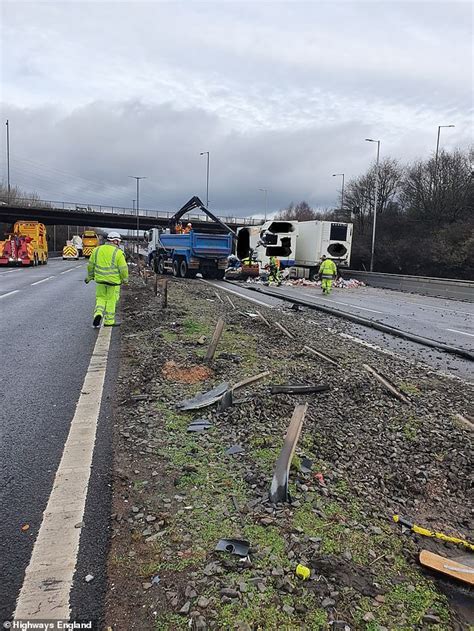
x=76, y=214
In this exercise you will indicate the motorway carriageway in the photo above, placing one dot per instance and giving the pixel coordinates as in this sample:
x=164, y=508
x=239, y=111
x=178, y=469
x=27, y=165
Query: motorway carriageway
x=439, y=319
x=53, y=366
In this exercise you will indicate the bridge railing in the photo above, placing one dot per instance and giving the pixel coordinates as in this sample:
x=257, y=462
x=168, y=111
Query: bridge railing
x=43, y=204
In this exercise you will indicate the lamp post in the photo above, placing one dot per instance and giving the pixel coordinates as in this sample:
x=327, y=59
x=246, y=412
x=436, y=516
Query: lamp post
x=206, y=153
x=138, y=178
x=342, y=189
x=264, y=190
x=375, y=202
x=8, y=159
x=437, y=152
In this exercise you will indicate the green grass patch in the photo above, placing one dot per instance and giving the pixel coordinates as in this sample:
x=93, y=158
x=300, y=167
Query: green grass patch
x=195, y=327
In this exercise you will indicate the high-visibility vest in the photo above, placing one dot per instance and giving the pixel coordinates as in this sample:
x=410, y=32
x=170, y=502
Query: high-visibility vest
x=107, y=265
x=328, y=269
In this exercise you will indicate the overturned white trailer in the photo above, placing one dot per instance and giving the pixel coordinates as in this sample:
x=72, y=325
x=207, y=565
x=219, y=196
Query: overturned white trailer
x=297, y=244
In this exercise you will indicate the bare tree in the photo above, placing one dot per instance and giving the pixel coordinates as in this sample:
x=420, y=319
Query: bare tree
x=297, y=212
x=359, y=195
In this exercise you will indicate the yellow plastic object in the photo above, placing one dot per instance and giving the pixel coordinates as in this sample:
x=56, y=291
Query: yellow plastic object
x=430, y=533
x=303, y=572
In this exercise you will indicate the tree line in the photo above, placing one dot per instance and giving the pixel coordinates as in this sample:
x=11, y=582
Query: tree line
x=425, y=216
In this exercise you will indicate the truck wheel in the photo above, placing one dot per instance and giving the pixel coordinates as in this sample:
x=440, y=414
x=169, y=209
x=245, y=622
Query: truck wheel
x=176, y=268
x=183, y=268
x=313, y=274
x=161, y=266
x=220, y=274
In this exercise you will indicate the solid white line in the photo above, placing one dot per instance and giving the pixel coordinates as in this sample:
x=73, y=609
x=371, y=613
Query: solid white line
x=42, y=281
x=9, y=271
x=68, y=270
x=48, y=578
x=236, y=293
x=346, y=304
x=15, y=291
x=462, y=332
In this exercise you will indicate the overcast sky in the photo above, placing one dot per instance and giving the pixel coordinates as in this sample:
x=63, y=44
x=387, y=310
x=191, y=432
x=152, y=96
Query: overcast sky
x=282, y=95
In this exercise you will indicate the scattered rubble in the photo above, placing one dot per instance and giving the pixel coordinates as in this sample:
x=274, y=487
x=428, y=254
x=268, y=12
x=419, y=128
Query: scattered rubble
x=370, y=456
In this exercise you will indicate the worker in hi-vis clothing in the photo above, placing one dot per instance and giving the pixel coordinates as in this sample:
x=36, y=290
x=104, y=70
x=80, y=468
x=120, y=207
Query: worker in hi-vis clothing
x=327, y=272
x=108, y=267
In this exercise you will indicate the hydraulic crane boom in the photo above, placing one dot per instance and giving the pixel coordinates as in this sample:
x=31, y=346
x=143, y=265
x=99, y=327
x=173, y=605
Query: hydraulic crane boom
x=193, y=203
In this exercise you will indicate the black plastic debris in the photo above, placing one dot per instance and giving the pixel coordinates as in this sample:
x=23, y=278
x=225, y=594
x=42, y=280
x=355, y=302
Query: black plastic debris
x=239, y=547
x=235, y=449
x=205, y=399
x=306, y=465
x=199, y=425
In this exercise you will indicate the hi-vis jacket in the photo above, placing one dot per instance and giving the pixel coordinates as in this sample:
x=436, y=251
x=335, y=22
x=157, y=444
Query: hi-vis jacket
x=107, y=265
x=328, y=269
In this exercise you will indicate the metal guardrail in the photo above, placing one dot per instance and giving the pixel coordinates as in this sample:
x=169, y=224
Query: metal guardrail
x=43, y=204
x=425, y=285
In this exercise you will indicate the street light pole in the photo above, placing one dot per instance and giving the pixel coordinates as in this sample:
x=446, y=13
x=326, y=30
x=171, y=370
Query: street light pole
x=8, y=159
x=264, y=190
x=342, y=189
x=138, y=178
x=206, y=153
x=437, y=152
x=372, y=251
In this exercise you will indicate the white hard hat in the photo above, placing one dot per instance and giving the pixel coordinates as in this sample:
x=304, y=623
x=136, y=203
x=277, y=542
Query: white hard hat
x=113, y=236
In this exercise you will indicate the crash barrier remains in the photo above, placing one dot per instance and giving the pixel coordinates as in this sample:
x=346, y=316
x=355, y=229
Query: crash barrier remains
x=385, y=328
x=440, y=287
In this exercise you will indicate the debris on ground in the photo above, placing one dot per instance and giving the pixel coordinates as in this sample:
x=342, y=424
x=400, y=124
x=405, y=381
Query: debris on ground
x=238, y=547
x=175, y=494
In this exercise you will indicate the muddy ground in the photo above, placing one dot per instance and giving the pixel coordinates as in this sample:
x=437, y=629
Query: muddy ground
x=177, y=493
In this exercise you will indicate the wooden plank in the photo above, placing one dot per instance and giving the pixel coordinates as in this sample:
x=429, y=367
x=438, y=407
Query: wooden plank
x=466, y=423
x=387, y=385
x=216, y=336
x=219, y=297
x=279, y=486
x=451, y=567
x=263, y=318
x=283, y=330
x=321, y=355
x=249, y=380
x=298, y=389
x=230, y=301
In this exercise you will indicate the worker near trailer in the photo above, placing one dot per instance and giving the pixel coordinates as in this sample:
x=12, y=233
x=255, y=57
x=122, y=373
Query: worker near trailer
x=108, y=267
x=327, y=273
x=179, y=228
x=188, y=228
x=275, y=274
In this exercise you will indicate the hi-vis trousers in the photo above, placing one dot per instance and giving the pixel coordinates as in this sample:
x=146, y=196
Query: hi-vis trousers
x=106, y=298
x=326, y=284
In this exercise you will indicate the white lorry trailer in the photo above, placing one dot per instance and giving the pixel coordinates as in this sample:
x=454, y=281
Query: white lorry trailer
x=297, y=244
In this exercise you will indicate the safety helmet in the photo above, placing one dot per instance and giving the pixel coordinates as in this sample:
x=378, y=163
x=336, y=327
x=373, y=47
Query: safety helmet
x=114, y=236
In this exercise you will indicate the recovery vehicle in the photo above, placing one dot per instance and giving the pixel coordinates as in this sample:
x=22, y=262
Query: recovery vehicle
x=70, y=252
x=187, y=254
x=90, y=241
x=26, y=245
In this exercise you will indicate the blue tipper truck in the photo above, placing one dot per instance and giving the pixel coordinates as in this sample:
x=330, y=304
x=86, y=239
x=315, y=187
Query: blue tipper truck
x=187, y=254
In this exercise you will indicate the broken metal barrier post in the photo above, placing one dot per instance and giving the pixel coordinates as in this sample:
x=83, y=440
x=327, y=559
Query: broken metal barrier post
x=386, y=383
x=239, y=547
x=279, y=486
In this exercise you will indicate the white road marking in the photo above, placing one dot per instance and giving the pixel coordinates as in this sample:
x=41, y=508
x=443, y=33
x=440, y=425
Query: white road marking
x=68, y=270
x=9, y=271
x=42, y=281
x=48, y=578
x=462, y=332
x=346, y=304
x=236, y=293
x=15, y=291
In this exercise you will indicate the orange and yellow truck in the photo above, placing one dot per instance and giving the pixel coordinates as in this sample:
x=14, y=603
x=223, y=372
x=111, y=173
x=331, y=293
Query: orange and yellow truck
x=26, y=245
x=90, y=241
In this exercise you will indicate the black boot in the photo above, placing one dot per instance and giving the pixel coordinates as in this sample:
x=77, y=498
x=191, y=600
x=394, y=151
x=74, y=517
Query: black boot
x=97, y=320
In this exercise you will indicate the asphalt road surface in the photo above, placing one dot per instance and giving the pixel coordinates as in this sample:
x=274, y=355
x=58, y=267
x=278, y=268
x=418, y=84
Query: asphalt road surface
x=47, y=341
x=439, y=319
